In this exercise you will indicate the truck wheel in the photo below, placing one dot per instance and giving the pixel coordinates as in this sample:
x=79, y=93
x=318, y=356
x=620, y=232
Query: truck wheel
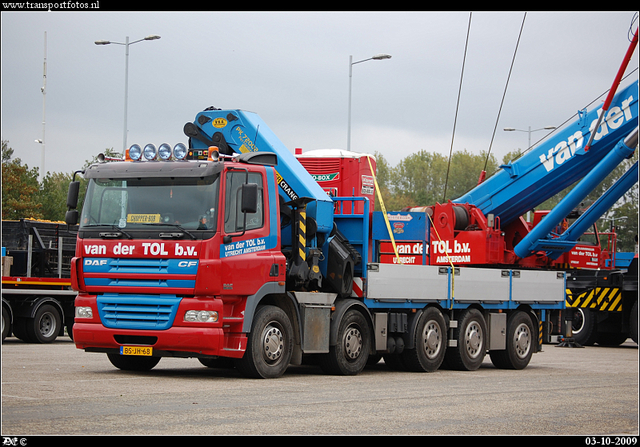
x=6, y=323
x=45, y=326
x=133, y=363
x=270, y=345
x=633, y=323
x=221, y=362
x=471, y=337
x=350, y=354
x=611, y=338
x=520, y=339
x=583, y=327
x=430, y=344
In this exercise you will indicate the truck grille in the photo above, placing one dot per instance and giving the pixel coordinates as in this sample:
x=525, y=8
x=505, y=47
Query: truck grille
x=155, y=312
x=169, y=276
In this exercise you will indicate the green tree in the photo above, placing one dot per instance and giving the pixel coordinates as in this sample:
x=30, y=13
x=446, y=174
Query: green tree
x=53, y=195
x=20, y=188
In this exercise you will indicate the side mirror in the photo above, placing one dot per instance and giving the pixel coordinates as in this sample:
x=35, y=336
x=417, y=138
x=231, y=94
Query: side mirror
x=71, y=216
x=249, y=198
x=72, y=195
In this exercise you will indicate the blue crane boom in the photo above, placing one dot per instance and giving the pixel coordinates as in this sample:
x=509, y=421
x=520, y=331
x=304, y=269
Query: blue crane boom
x=525, y=183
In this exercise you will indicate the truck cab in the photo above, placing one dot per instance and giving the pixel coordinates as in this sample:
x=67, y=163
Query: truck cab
x=166, y=247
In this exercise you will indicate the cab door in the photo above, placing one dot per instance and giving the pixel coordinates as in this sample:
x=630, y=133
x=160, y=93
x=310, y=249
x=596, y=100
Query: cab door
x=249, y=252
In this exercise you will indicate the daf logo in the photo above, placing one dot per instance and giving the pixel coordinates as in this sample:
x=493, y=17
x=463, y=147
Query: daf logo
x=95, y=262
x=187, y=263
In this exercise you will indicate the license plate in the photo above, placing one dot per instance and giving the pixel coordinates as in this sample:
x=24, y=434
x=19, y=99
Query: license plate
x=136, y=350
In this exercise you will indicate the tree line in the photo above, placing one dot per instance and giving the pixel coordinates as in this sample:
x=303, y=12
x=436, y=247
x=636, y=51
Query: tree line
x=422, y=178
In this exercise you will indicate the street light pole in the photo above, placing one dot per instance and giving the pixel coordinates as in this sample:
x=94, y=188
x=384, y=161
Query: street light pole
x=377, y=57
x=511, y=129
x=126, y=77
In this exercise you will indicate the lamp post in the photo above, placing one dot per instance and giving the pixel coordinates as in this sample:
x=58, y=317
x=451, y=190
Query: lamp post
x=377, y=57
x=511, y=129
x=43, y=89
x=126, y=75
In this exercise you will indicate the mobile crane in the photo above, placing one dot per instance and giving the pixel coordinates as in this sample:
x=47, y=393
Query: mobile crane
x=486, y=226
x=228, y=249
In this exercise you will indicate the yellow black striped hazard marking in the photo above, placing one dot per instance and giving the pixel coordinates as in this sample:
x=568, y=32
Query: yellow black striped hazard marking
x=599, y=298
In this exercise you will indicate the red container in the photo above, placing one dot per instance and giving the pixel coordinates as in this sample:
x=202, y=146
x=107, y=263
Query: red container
x=341, y=173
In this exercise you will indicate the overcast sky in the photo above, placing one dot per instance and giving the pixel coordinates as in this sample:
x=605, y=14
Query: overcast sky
x=292, y=69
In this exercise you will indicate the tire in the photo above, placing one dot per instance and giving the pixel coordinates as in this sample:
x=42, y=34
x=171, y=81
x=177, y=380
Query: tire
x=611, y=338
x=471, y=336
x=221, y=362
x=133, y=363
x=430, y=343
x=6, y=323
x=584, y=327
x=633, y=322
x=520, y=343
x=270, y=345
x=45, y=326
x=19, y=329
x=350, y=354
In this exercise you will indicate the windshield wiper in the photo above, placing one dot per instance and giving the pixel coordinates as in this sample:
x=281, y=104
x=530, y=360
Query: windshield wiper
x=172, y=235
x=110, y=235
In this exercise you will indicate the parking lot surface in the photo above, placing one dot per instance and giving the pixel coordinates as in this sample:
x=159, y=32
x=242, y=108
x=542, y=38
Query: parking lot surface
x=57, y=389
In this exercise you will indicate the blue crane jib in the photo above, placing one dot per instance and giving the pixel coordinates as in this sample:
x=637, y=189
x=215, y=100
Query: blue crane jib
x=239, y=131
x=557, y=163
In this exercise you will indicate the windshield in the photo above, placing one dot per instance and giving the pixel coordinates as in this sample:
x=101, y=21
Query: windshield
x=187, y=203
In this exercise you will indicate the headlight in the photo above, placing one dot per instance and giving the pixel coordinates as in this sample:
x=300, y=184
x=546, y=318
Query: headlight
x=135, y=152
x=180, y=151
x=84, y=312
x=150, y=152
x=164, y=151
x=201, y=316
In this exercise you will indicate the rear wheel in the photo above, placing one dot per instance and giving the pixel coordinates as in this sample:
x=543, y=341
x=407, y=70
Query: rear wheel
x=471, y=336
x=270, y=345
x=584, y=327
x=45, y=325
x=6, y=323
x=350, y=354
x=430, y=343
x=520, y=342
x=633, y=322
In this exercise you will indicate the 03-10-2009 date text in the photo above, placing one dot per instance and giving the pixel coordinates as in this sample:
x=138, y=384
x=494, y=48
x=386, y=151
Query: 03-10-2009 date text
x=611, y=440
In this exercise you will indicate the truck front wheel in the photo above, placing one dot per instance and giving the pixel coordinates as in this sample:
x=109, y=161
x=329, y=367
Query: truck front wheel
x=270, y=345
x=133, y=363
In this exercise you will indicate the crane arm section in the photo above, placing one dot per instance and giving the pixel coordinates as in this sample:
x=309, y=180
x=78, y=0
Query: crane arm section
x=559, y=162
x=239, y=131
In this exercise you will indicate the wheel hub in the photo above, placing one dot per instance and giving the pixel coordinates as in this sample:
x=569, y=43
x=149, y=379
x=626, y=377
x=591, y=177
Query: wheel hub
x=522, y=340
x=47, y=325
x=352, y=343
x=473, y=339
x=272, y=343
x=432, y=339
